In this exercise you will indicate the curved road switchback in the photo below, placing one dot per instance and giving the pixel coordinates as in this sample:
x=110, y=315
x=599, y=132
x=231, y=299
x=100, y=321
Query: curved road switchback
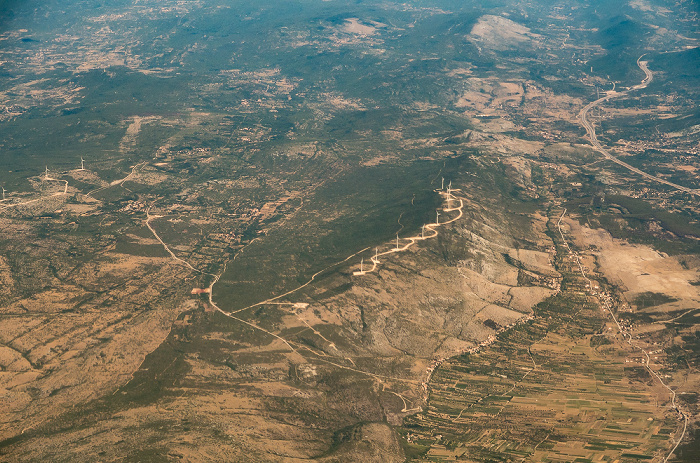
x=583, y=117
x=430, y=227
x=40, y=198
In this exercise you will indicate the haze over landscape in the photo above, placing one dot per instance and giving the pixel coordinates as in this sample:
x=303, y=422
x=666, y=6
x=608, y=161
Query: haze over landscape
x=310, y=230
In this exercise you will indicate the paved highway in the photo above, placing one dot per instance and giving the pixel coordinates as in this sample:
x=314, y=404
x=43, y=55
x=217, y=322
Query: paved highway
x=648, y=78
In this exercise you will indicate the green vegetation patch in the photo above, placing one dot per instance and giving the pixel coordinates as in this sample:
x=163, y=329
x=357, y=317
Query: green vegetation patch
x=651, y=299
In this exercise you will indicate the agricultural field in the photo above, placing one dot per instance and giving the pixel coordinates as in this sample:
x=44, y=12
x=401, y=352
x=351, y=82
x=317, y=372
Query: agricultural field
x=323, y=231
x=566, y=386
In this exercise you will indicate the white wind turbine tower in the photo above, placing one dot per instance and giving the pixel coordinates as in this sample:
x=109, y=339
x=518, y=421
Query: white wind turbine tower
x=3, y=193
x=437, y=218
x=397, y=241
x=82, y=163
x=362, y=262
x=46, y=173
x=422, y=232
x=376, y=255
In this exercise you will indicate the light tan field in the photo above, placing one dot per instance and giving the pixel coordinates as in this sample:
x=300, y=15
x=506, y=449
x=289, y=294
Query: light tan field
x=638, y=269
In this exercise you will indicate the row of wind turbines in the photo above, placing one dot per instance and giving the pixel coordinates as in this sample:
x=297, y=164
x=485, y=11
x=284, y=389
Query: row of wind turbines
x=82, y=167
x=46, y=176
x=375, y=259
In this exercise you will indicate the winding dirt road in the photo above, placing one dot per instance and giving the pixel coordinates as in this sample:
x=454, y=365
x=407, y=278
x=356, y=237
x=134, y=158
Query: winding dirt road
x=431, y=227
x=46, y=179
x=432, y=232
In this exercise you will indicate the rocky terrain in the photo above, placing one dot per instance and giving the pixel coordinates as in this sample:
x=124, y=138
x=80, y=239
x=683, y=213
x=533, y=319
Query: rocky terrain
x=371, y=232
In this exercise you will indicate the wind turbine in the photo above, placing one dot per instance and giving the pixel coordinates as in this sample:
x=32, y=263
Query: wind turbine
x=376, y=255
x=437, y=218
x=422, y=232
x=3, y=193
x=82, y=163
x=443, y=183
x=46, y=173
x=362, y=261
x=397, y=241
